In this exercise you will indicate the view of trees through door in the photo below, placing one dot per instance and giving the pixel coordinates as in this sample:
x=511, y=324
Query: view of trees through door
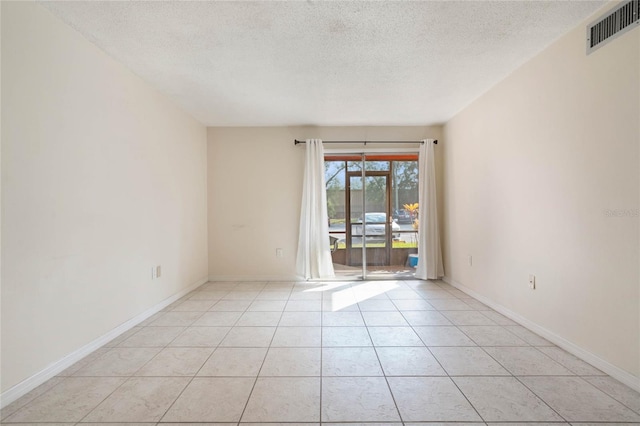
x=372, y=201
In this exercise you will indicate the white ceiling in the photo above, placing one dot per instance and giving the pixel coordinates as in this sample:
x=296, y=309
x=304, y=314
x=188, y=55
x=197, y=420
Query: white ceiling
x=323, y=63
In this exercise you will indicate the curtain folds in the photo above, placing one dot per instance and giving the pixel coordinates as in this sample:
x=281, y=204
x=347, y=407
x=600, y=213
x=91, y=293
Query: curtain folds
x=314, y=254
x=429, y=252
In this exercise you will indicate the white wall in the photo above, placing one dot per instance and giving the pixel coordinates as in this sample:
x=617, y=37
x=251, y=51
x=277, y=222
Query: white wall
x=531, y=168
x=102, y=178
x=255, y=188
x=0, y=201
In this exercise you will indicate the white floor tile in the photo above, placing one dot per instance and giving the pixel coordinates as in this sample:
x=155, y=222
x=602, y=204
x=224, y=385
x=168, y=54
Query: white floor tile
x=505, y=399
x=299, y=362
x=409, y=361
x=430, y=399
x=467, y=361
x=350, y=362
x=527, y=361
x=578, y=401
x=345, y=336
x=373, y=353
x=211, y=399
x=249, y=337
x=357, y=399
x=284, y=399
x=234, y=362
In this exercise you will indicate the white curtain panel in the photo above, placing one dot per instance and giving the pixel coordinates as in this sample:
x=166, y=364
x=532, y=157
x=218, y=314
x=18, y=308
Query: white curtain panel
x=429, y=252
x=314, y=254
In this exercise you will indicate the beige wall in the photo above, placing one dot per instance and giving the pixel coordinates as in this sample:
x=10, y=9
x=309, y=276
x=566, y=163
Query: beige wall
x=0, y=201
x=101, y=179
x=531, y=169
x=255, y=189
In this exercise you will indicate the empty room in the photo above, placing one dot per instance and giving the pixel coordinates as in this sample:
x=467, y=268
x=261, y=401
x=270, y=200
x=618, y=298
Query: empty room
x=314, y=212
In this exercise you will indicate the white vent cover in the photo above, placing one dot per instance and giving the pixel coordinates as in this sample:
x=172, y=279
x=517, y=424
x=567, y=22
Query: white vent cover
x=612, y=24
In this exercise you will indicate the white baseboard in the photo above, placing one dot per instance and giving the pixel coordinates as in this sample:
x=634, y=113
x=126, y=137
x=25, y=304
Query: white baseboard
x=605, y=366
x=238, y=278
x=59, y=366
x=274, y=278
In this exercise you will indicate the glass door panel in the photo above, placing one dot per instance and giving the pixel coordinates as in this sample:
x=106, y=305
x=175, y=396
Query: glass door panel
x=378, y=235
x=337, y=208
x=372, y=229
x=355, y=229
x=368, y=225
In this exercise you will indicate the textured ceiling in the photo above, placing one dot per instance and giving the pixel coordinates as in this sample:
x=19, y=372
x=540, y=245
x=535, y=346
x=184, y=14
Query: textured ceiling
x=323, y=63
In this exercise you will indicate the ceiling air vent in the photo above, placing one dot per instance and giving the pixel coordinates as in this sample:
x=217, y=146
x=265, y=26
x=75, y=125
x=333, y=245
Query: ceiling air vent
x=612, y=24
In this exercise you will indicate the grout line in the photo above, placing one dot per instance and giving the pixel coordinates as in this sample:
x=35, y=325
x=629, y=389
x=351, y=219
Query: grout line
x=443, y=369
x=266, y=354
x=467, y=399
x=375, y=350
x=607, y=393
x=512, y=375
x=196, y=374
x=128, y=378
x=540, y=398
x=3, y=417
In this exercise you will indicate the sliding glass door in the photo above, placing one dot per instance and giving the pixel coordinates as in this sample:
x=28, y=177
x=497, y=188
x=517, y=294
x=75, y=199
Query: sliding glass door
x=371, y=231
x=368, y=227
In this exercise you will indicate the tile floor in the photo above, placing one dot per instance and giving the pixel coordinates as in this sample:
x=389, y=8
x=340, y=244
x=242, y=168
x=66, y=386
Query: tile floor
x=389, y=352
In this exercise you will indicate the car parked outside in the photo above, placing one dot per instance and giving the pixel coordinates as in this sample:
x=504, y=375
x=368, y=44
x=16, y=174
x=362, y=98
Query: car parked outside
x=375, y=226
x=402, y=216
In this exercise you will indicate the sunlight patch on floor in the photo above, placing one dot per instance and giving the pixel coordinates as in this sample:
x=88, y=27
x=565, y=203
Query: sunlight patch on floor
x=345, y=298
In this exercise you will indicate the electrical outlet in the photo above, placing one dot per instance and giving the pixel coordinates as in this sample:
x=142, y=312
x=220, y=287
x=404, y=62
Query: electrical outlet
x=532, y=282
x=158, y=271
x=279, y=252
x=153, y=272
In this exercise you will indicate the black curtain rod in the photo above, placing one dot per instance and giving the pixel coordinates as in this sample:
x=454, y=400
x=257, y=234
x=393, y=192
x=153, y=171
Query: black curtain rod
x=296, y=142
